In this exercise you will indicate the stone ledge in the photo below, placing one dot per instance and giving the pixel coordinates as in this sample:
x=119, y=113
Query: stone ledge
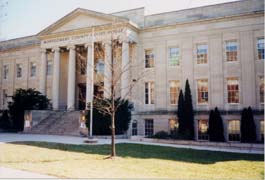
x=221, y=145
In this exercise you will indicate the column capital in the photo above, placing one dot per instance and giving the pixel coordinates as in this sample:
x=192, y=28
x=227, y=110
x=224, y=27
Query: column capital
x=43, y=50
x=106, y=42
x=89, y=44
x=71, y=47
x=56, y=49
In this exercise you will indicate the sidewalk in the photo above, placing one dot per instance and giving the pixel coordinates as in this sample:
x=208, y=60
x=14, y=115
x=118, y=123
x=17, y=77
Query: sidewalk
x=13, y=137
x=6, y=173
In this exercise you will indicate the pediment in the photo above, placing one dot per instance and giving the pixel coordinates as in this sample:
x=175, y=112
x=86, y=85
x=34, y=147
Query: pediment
x=78, y=19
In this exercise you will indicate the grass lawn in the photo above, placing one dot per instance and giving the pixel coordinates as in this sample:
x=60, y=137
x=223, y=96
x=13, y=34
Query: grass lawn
x=135, y=161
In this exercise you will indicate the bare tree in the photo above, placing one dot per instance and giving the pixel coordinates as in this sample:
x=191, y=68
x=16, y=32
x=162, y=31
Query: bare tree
x=115, y=69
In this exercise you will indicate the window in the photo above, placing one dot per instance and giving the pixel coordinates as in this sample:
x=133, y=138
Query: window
x=202, y=53
x=5, y=70
x=234, y=130
x=174, y=56
x=149, y=92
x=82, y=64
x=260, y=47
x=203, y=129
x=33, y=68
x=149, y=127
x=261, y=89
x=262, y=130
x=100, y=67
x=134, y=128
x=19, y=71
x=173, y=125
x=202, y=89
x=49, y=68
x=149, y=58
x=233, y=90
x=174, y=89
x=231, y=51
x=4, y=97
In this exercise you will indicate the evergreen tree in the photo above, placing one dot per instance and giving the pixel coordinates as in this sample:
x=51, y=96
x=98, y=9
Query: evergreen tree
x=212, y=126
x=180, y=113
x=248, y=128
x=216, y=128
x=188, y=109
x=25, y=99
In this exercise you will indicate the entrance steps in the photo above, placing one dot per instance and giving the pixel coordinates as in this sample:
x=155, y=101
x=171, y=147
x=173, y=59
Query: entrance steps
x=58, y=123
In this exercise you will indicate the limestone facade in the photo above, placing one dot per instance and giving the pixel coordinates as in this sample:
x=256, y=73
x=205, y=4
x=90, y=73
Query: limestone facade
x=213, y=27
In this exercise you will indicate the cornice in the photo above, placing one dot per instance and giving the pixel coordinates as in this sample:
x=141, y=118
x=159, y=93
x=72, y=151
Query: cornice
x=88, y=30
x=218, y=19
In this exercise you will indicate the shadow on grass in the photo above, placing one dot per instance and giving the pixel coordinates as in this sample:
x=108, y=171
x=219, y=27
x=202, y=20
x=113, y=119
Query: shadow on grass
x=151, y=151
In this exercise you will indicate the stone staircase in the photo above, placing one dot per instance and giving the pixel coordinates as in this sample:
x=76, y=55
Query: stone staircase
x=58, y=123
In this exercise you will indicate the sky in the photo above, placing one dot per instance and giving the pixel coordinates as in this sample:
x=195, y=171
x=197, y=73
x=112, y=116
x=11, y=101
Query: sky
x=20, y=18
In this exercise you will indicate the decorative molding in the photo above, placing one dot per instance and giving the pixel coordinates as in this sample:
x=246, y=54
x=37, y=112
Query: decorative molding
x=43, y=50
x=56, y=49
x=71, y=47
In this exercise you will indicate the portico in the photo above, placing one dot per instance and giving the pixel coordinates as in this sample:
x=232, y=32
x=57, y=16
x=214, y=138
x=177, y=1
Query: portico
x=64, y=47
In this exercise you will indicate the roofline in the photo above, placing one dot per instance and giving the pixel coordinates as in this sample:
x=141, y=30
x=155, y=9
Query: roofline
x=13, y=39
x=57, y=22
x=127, y=10
x=236, y=1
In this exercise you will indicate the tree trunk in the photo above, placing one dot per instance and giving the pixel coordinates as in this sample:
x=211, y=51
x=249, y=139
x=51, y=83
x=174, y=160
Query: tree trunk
x=113, y=149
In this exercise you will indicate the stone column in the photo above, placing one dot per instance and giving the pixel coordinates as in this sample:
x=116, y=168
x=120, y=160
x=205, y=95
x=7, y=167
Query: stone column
x=43, y=70
x=107, y=71
x=56, y=79
x=71, y=79
x=125, y=65
x=89, y=75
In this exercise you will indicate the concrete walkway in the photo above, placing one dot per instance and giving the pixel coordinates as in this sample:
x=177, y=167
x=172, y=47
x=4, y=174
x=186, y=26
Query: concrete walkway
x=14, y=137
x=7, y=173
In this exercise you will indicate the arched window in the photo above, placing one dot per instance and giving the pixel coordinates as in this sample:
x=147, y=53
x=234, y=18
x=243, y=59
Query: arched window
x=134, y=128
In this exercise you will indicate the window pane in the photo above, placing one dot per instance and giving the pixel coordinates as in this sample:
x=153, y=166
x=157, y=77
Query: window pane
x=202, y=91
x=134, y=128
x=149, y=127
x=173, y=125
x=152, y=92
x=33, y=70
x=202, y=53
x=174, y=88
x=5, y=71
x=203, y=129
x=49, y=67
x=260, y=48
x=149, y=93
x=174, y=56
x=149, y=59
x=262, y=130
x=261, y=89
x=231, y=51
x=234, y=130
x=233, y=90
x=19, y=71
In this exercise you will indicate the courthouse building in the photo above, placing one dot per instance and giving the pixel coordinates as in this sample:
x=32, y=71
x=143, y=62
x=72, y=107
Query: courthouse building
x=218, y=48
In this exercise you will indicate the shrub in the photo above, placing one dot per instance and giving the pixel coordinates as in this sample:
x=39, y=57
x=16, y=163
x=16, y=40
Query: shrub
x=247, y=127
x=160, y=135
x=102, y=121
x=216, y=128
x=5, y=122
x=25, y=99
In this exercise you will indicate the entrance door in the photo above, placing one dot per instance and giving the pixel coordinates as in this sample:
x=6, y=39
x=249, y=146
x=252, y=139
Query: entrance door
x=82, y=96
